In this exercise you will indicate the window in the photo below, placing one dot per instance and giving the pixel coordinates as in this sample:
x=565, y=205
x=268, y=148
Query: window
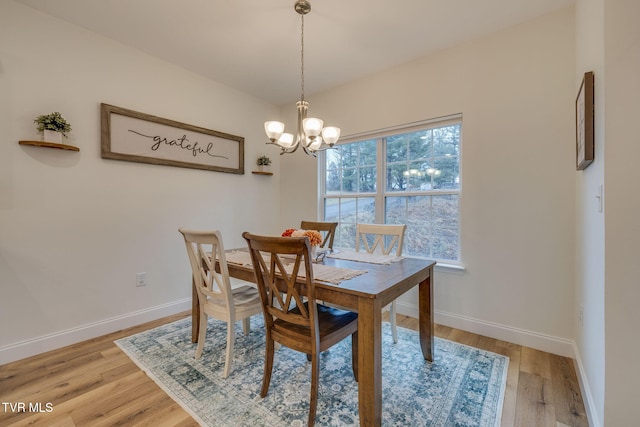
x=407, y=175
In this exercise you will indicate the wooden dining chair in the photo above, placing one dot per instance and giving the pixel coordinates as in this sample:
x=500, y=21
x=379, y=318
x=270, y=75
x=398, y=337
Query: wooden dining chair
x=382, y=238
x=292, y=315
x=219, y=295
x=327, y=229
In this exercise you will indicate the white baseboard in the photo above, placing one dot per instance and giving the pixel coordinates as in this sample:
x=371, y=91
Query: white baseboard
x=28, y=348
x=587, y=396
x=548, y=343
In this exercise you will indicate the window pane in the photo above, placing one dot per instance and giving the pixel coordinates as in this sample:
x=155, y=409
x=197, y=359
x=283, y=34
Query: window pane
x=345, y=236
x=348, y=211
x=432, y=224
x=424, y=160
x=367, y=155
x=396, y=210
x=332, y=210
x=351, y=168
x=366, y=209
x=367, y=180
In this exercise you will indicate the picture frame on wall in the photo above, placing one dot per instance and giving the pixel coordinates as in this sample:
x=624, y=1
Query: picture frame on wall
x=584, y=122
x=137, y=137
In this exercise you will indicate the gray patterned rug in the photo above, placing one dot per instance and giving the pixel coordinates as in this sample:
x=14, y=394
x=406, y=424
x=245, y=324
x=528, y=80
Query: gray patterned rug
x=464, y=386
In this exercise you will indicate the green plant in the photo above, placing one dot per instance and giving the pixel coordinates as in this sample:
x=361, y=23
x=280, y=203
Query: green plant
x=54, y=122
x=263, y=161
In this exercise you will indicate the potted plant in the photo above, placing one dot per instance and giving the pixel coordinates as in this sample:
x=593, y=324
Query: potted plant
x=262, y=162
x=53, y=126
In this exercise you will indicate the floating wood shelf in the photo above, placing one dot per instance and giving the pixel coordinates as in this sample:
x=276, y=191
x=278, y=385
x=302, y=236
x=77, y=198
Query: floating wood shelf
x=49, y=145
x=262, y=173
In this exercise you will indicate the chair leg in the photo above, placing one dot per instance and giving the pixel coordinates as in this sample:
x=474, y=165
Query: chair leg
x=354, y=354
x=268, y=366
x=231, y=334
x=246, y=325
x=392, y=318
x=315, y=376
x=202, y=334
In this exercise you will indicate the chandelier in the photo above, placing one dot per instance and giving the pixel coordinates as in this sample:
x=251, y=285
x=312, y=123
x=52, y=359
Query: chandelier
x=310, y=135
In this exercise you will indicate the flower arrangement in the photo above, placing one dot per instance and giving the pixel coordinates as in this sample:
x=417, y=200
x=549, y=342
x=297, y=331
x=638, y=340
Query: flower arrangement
x=315, y=238
x=263, y=161
x=54, y=122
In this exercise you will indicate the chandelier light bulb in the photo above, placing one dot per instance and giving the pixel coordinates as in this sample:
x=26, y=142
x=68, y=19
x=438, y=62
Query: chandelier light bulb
x=273, y=130
x=315, y=144
x=312, y=126
x=286, y=140
x=330, y=134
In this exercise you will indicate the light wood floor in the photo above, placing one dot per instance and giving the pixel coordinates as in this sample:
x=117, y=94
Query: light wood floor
x=93, y=383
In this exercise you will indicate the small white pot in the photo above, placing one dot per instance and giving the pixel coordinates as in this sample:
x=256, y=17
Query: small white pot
x=52, y=136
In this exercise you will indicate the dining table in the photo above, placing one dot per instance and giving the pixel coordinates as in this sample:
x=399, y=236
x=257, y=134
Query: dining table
x=367, y=294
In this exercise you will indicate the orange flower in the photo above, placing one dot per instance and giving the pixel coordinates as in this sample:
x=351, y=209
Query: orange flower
x=315, y=238
x=288, y=232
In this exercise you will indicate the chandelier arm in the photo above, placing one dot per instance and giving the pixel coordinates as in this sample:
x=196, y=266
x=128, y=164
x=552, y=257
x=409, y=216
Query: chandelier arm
x=309, y=152
x=325, y=148
x=289, y=150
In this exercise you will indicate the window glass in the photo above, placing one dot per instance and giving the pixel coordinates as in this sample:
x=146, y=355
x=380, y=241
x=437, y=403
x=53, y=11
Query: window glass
x=420, y=187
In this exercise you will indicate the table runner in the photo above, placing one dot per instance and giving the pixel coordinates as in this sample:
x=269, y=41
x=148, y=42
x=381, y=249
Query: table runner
x=321, y=272
x=374, y=258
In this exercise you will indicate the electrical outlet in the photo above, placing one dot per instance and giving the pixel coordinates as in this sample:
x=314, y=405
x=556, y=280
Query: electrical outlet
x=141, y=279
x=581, y=315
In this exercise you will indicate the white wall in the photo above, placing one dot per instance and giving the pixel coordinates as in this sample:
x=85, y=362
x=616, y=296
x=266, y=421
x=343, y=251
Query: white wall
x=515, y=90
x=74, y=228
x=590, y=248
x=622, y=204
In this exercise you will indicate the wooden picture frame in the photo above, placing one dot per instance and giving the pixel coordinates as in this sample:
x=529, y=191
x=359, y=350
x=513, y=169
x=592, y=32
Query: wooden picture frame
x=137, y=137
x=584, y=122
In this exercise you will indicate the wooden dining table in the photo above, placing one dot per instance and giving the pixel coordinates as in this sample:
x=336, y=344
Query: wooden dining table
x=367, y=294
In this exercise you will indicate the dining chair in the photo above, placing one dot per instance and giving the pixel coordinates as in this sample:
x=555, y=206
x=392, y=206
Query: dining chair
x=292, y=316
x=382, y=238
x=327, y=229
x=219, y=295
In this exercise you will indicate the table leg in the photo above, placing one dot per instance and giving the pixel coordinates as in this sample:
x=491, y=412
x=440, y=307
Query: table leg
x=370, y=362
x=425, y=316
x=195, y=313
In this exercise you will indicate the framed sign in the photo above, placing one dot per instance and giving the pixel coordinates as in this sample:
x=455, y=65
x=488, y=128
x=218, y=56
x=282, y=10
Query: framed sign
x=584, y=122
x=137, y=137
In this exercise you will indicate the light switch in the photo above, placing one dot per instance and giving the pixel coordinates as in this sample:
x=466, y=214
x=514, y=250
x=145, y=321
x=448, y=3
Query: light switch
x=599, y=197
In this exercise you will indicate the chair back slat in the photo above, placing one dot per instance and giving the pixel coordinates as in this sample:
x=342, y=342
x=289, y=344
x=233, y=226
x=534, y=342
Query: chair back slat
x=380, y=237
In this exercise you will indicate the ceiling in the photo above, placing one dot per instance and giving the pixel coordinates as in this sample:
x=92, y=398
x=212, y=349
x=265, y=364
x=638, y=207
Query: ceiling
x=254, y=45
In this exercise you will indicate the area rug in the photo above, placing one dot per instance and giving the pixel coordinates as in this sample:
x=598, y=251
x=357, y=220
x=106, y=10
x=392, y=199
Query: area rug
x=463, y=386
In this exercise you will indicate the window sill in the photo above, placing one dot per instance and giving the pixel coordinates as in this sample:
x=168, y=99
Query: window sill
x=447, y=268
x=450, y=268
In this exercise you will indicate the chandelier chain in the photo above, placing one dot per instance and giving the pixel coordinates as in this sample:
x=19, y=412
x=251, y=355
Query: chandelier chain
x=302, y=58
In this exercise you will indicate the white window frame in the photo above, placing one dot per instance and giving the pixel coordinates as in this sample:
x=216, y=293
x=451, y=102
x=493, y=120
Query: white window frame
x=454, y=266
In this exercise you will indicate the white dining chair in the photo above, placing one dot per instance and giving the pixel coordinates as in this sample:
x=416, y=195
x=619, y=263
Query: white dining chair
x=382, y=238
x=219, y=295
